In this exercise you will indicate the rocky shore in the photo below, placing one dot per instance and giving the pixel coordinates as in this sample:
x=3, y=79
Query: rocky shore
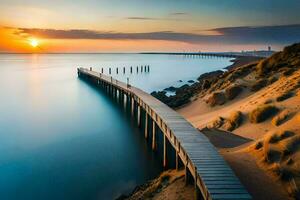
x=183, y=95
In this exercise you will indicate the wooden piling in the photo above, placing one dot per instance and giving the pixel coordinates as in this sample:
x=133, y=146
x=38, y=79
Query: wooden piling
x=165, y=152
x=139, y=116
x=197, y=193
x=146, y=125
x=153, y=135
x=132, y=106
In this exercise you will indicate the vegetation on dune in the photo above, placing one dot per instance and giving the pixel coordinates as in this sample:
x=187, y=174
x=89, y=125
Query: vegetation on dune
x=233, y=121
x=217, y=123
x=233, y=91
x=262, y=113
x=287, y=60
x=280, y=154
x=285, y=96
x=259, y=85
x=281, y=117
x=217, y=98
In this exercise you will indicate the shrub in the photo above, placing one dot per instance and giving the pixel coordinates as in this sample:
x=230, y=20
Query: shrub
x=272, y=79
x=262, y=113
x=278, y=136
x=259, y=84
x=258, y=145
x=217, y=123
x=233, y=91
x=281, y=117
x=286, y=134
x=272, y=155
x=285, y=173
x=268, y=101
x=288, y=72
x=285, y=96
x=292, y=144
x=273, y=138
x=234, y=121
x=217, y=98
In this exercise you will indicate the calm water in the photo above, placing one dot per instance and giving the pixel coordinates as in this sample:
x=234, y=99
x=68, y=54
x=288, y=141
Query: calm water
x=62, y=139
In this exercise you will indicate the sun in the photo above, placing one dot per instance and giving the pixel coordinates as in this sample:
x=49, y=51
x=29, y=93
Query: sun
x=34, y=42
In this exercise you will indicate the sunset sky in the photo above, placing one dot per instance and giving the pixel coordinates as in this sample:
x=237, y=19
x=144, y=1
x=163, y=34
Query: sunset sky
x=156, y=25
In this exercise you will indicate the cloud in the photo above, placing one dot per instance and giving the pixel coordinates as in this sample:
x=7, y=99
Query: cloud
x=154, y=18
x=178, y=13
x=284, y=34
x=142, y=18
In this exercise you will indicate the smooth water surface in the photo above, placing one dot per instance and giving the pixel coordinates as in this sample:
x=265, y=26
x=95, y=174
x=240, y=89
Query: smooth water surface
x=60, y=138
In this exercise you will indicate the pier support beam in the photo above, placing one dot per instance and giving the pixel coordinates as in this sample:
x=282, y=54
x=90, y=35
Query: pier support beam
x=146, y=126
x=165, y=152
x=132, y=106
x=197, y=192
x=153, y=135
x=139, y=115
x=177, y=161
x=187, y=176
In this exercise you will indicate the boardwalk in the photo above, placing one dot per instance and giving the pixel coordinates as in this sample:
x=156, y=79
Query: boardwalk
x=204, y=166
x=224, y=55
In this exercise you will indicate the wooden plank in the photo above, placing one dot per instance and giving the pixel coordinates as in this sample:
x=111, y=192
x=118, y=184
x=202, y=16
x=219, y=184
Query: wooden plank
x=230, y=196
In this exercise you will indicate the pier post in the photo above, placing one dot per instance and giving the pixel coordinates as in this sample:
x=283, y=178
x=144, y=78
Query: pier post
x=141, y=68
x=131, y=69
x=165, y=152
x=153, y=135
x=146, y=125
x=109, y=70
x=132, y=106
x=197, y=193
x=137, y=69
x=117, y=70
x=102, y=70
x=123, y=70
x=139, y=115
x=177, y=152
x=187, y=174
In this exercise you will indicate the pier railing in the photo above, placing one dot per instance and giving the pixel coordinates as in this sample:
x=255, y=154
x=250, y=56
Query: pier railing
x=204, y=166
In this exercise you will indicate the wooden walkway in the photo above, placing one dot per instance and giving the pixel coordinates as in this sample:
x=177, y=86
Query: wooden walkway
x=213, y=178
x=203, y=54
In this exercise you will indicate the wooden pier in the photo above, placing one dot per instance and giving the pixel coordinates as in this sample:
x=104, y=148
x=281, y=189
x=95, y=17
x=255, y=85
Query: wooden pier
x=208, y=54
x=204, y=166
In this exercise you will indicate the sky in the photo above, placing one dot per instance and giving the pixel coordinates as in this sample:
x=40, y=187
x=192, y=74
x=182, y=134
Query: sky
x=147, y=25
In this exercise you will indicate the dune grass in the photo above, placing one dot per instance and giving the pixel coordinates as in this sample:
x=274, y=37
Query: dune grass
x=217, y=98
x=234, y=120
x=285, y=96
x=281, y=117
x=259, y=85
x=262, y=113
x=233, y=91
